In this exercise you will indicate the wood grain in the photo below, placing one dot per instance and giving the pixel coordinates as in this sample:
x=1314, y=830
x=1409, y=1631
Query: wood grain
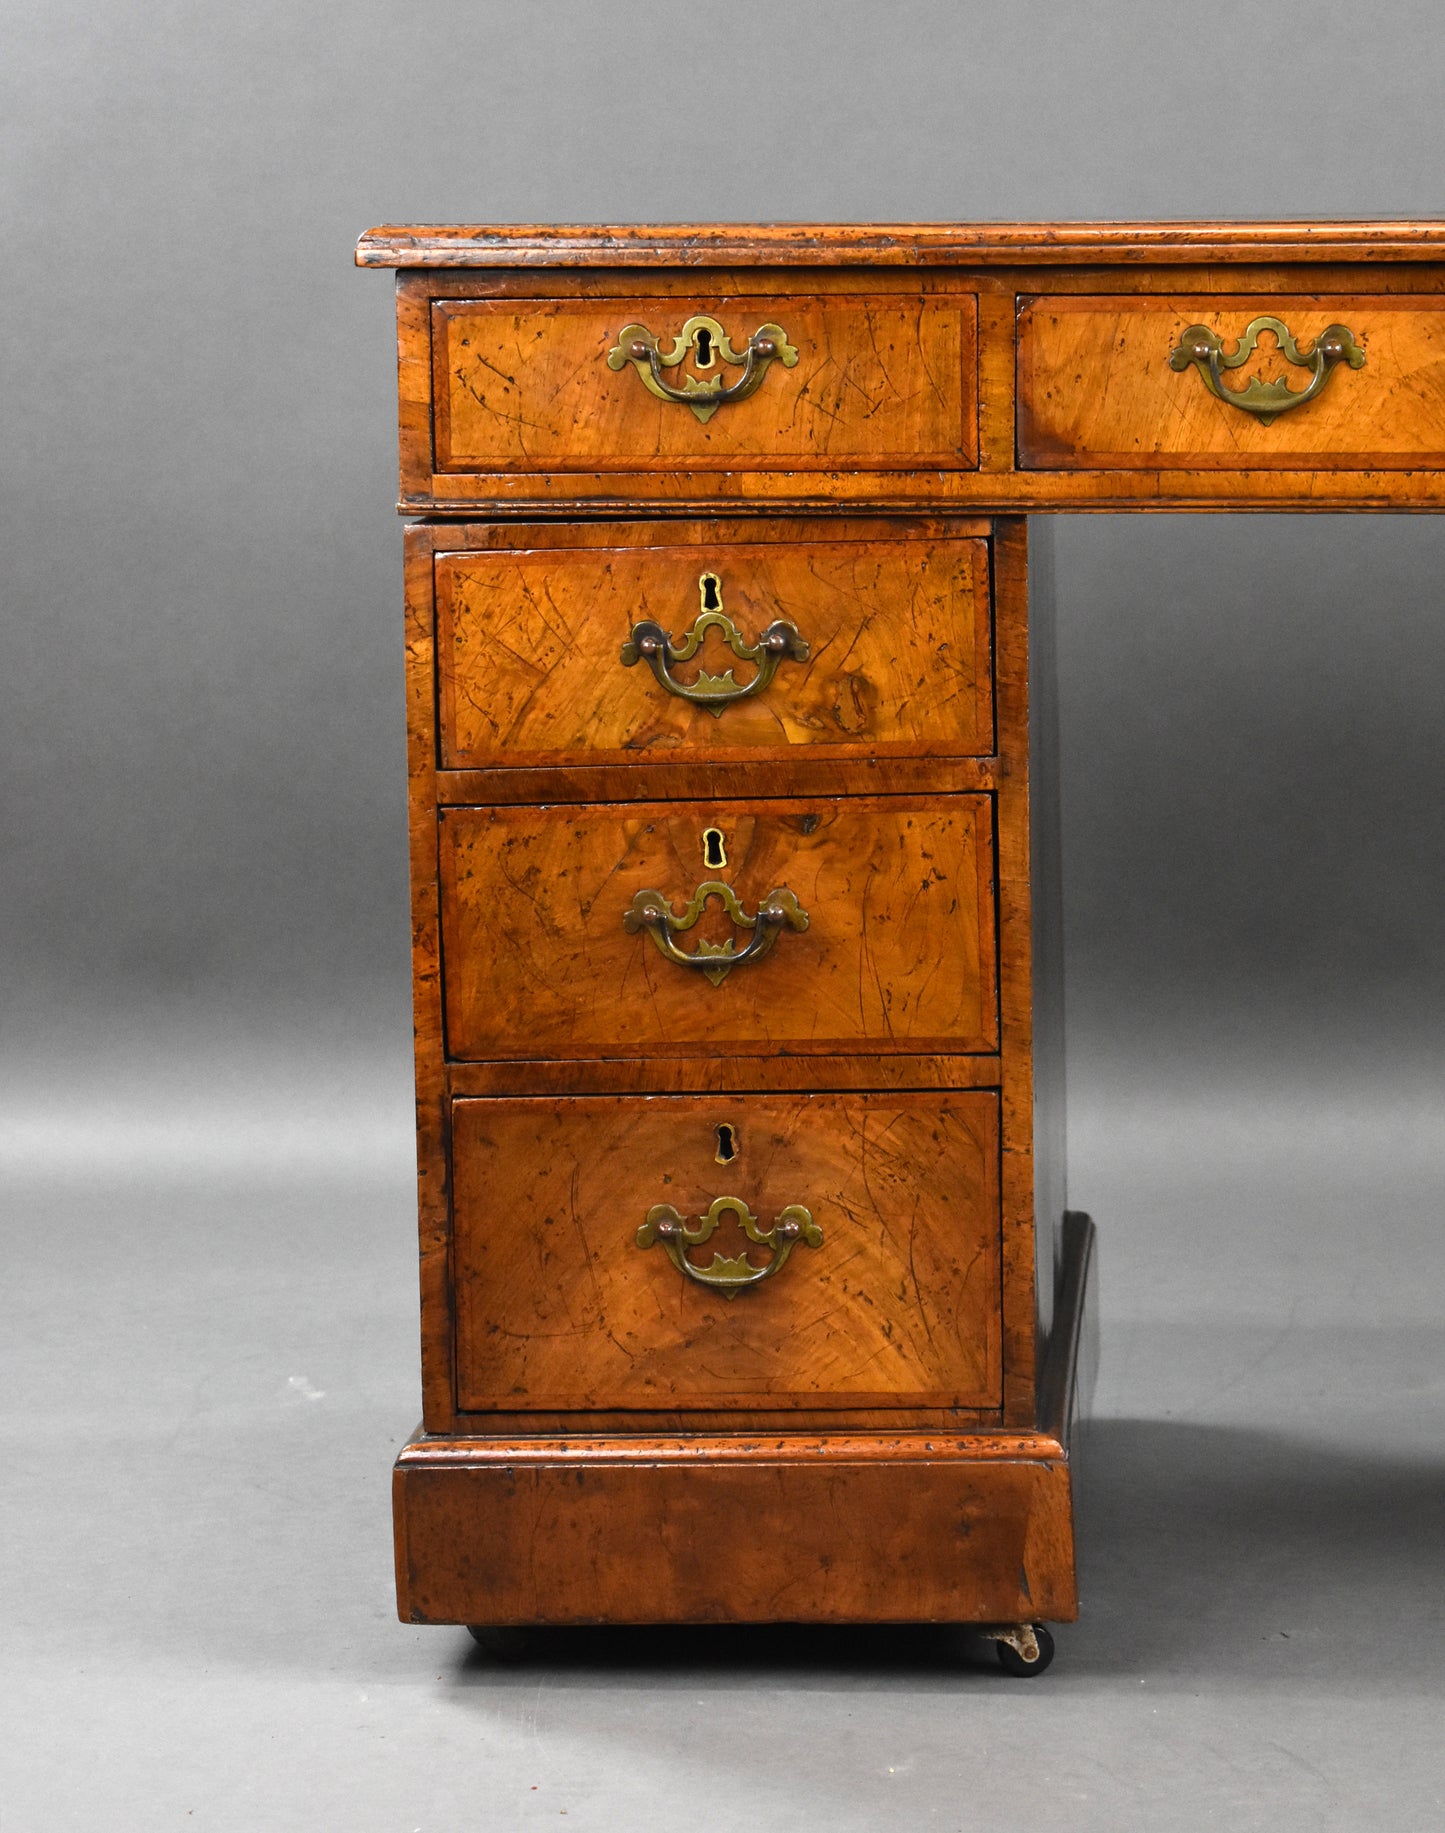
x=546, y=1528
x=558, y=1307
x=899, y=953
x=529, y=644
x=1369, y=265
x=1370, y=272
x=1096, y=390
x=525, y=386
x=1046, y=1003
x=1016, y=1014
x=1318, y=488
x=881, y=1067
x=433, y=1171
x=827, y=1531
x=814, y=771
x=884, y=245
x=713, y=1075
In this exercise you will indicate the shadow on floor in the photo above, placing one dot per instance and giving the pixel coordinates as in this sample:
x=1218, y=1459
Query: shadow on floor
x=1205, y=1552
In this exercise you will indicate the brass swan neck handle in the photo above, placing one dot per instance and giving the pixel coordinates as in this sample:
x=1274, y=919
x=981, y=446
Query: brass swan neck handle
x=650, y=643
x=651, y=911
x=723, y=1274
x=709, y=342
x=1203, y=349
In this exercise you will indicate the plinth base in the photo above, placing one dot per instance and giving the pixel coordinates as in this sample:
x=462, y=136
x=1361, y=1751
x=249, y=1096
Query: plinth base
x=914, y=1527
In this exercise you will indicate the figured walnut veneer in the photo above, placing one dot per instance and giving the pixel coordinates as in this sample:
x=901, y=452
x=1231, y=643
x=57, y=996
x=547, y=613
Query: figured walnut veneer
x=899, y=951
x=880, y=382
x=881, y=1431
x=1094, y=394
x=558, y=1307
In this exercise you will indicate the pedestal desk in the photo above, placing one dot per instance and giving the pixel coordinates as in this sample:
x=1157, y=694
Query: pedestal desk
x=749, y=1291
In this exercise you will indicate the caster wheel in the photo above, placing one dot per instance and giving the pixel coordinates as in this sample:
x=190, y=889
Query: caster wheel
x=1015, y=1661
x=502, y=1641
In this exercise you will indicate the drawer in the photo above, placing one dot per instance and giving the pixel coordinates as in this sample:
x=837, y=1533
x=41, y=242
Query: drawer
x=879, y=647
x=1096, y=388
x=871, y=381
x=864, y=921
x=888, y=1292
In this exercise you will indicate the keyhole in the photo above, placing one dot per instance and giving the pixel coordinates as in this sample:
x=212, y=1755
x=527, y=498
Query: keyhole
x=710, y=583
x=727, y=1144
x=714, y=851
x=704, y=347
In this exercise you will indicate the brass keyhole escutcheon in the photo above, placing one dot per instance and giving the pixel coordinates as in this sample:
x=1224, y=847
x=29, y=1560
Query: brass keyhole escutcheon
x=714, y=847
x=727, y=1143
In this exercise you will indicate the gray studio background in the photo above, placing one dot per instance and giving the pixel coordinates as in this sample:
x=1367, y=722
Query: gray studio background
x=210, y=1348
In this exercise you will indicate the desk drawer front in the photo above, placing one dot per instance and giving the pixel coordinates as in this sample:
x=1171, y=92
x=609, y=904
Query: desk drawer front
x=871, y=382
x=888, y=651
x=1096, y=388
x=558, y=924
x=895, y=1301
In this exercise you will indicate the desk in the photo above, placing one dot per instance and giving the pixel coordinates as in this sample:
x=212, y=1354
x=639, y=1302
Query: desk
x=749, y=1287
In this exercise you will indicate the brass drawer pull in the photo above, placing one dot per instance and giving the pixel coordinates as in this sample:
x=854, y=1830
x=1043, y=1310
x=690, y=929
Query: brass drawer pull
x=728, y=1276
x=649, y=642
x=706, y=337
x=1266, y=400
x=651, y=911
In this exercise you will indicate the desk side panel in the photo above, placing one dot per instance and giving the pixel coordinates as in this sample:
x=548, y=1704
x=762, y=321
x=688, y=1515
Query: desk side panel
x=1050, y=1192
x=1015, y=981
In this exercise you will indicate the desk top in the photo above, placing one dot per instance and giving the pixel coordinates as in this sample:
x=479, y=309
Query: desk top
x=894, y=244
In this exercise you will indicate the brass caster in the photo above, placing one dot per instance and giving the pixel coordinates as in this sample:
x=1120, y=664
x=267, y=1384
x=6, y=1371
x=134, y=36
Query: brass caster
x=1023, y=1648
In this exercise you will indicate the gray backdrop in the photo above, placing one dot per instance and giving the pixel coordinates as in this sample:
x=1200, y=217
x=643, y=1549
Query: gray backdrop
x=206, y=1123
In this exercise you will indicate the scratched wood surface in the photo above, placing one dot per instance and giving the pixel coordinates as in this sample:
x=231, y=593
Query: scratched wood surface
x=788, y=1534
x=524, y=385
x=433, y=1172
x=1096, y=389
x=1363, y=267
x=886, y=245
x=880, y=1521
x=548, y=1038
x=557, y=1306
x=815, y=770
x=897, y=632
x=1015, y=950
x=713, y=1075
x=898, y=953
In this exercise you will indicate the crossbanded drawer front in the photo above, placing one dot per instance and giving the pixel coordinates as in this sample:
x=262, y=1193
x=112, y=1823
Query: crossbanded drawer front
x=870, y=382
x=730, y=928
x=1097, y=387
x=638, y=653
x=566, y=1295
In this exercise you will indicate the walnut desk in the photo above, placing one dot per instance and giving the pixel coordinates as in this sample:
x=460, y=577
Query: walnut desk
x=748, y=1287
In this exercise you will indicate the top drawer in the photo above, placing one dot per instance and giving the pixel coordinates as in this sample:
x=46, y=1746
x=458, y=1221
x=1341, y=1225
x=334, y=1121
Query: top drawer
x=1365, y=376
x=703, y=382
